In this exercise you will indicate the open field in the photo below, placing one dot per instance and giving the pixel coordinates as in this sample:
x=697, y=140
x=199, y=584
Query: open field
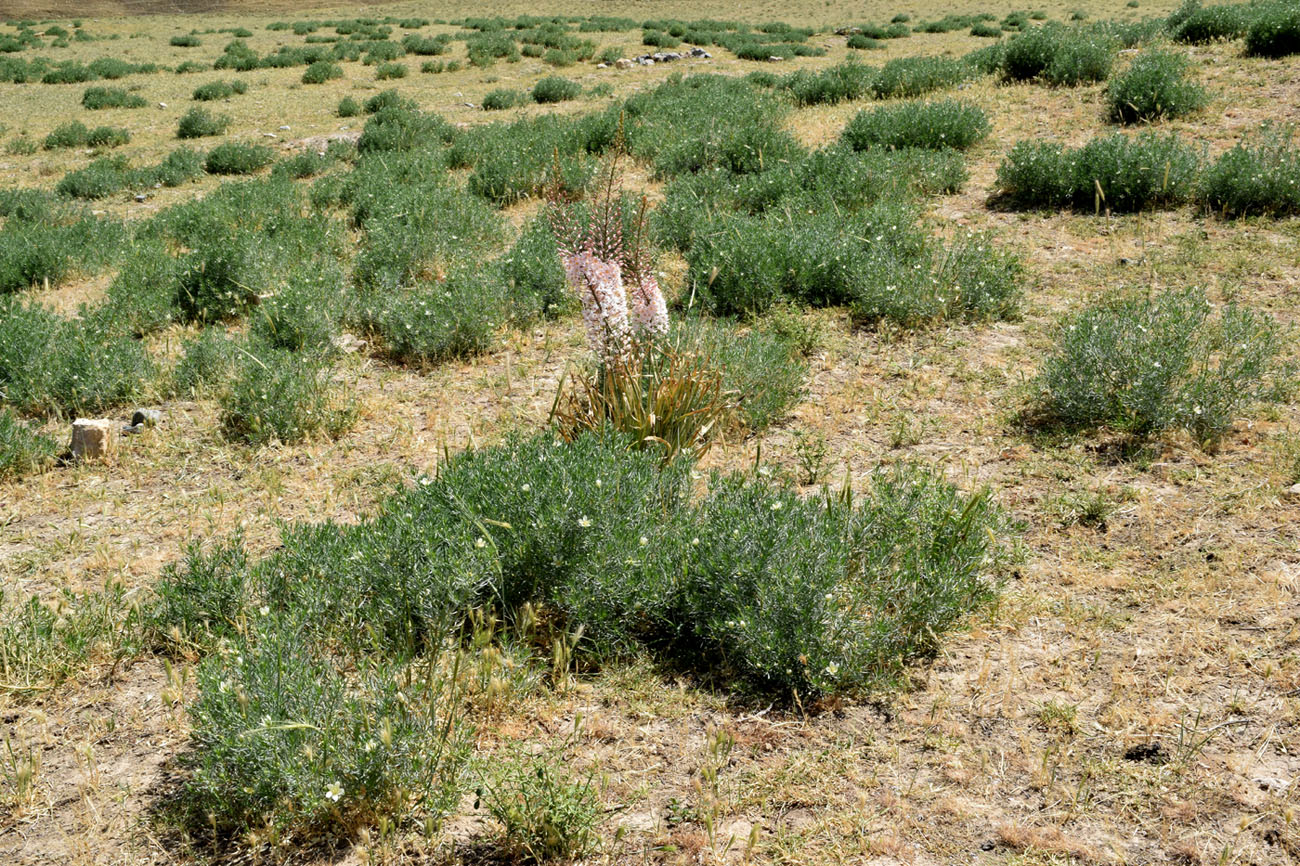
x=988, y=552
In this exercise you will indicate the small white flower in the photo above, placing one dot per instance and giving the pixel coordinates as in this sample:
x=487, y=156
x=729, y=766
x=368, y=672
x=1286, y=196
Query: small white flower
x=584, y=522
x=264, y=609
x=526, y=488
x=776, y=506
x=833, y=668
x=695, y=542
x=480, y=542
x=334, y=792
x=644, y=541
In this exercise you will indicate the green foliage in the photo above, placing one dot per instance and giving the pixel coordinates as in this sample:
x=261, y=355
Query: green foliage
x=1275, y=31
x=207, y=364
x=348, y=107
x=533, y=275
x=545, y=814
x=986, y=30
x=1145, y=364
x=1116, y=172
x=1259, y=175
x=1154, y=87
x=1059, y=55
x=51, y=246
x=503, y=98
x=398, y=128
x=283, y=396
x=185, y=41
x=235, y=157
x=556, y=89
x=390, y=71
x=203, y=596
x=436, y=323
x=96, y=98
x=23, y=450
x=845, y=81
x=214, y=90
x=321, y=71
x=933, y=125
x=763, y=371
x=916, y=76
x=198, y=122
x=1198, y=25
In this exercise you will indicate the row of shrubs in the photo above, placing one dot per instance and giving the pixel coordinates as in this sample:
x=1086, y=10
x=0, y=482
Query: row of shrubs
x=1259, y=175
x=550, y=89
x=1270, y=29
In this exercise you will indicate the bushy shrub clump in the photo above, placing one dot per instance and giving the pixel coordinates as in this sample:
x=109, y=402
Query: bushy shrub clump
x=1154, y=86
x=1275, y=31
x=917, y=76
x=214, y=90
x=107, y=175
x=390, y=71
x=197, y=123
x=45, y=242
x=933, y=125
x=187, y=40
x=348, y=107
x=96, y=98
x=400, y=128
x=1116, y=173
x=1059, y=55
x=76, y=134
x=835, y=84
x=809, y=596
x=23, y=450
x=283, y=396
x=1259, y=175
x=1145, y=364
x=234, y=157
x=556, y=89
x=503, y=98
x=1198, y=25
x=321, y=71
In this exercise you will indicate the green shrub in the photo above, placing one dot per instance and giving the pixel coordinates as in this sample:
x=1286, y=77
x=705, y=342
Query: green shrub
x=390, y=71
x=1154, y=87
x=321, y=71
x=214, y=90
x=402, y=129
x=74, y=133
x=21, y=145
x=435, y=324
x=180, y=166
x=933, y=125
x=762, y=370
x=389, y=99
x=197, y=123
x=545, y=814
x=503, y=98
x=916, y=76
x=23, y=450
x=191, y=66
x=203, y=596
x=1058, y=55
x=207, y=364
x=533, y=275
x=307, y=163
x=556, y=89
x=283, y=396
x=96, y=98
x=1145, y=364
x=234, y=157
x=986, y=30
x=103, y=177
x=53, y=248
x=303, y=311
x=1116, y=173
x=845, y=81
x=185, y=41
x=348, y=107
x=609, y=55
x=1259, y=176
x=108, y=136
x=1275, y=31
x=281, y=737
x=1198, y=25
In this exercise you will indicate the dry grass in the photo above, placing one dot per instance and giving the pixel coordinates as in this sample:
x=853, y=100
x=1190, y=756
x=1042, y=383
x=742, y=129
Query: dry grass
x=1172, y=622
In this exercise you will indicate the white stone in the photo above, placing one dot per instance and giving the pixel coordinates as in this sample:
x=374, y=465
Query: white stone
x=94, y=439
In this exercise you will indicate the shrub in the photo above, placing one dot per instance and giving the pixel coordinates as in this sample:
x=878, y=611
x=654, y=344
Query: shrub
x=50, y=250
x=916, y=76
x=234, y=157
x=845, y=81
x=1198, y=25
x=545, y=814
x=197, y=123
x=23, y=450
x=1154, y=87
x=96, y=98
x=283, y=396
x=185, y=41
x=402, y=129
x=1260, y=176
x=1145, y=364
x=503, y=98
x=390, y=71
x=556, y=89
x=178, y=167
x=307, y=163
x=214, y=90
x=1116, y=172
x=348, y=107
x=191, y=66
x=1059, y=55
x=302, y=313
x=321, y=71
x=933, y=125
x=21, y=145
x=763, y=374
x=435, y=324
x=1275, y=31
x=389, y=99
x=71, y=134
x=108, y=136
x=986, y=30
x=281, y=737
x=103, y=177
x=208, y=363
x=533, y=275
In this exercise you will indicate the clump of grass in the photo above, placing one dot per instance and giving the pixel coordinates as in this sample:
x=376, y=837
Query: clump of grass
x=1153, y=87
x=188, y=40
x=234, y=157
x=1259, y=175
x=23, y=450
x=283, y=396
x=916, y=76
x=1145, y=364
x=1275, y=31
x=553, y=88
x=546, y=815
x=1116, y=173
x=96, y=98
x=835, y=84
x=207, y=364
x=932, y=125
x=198, y=123
x=76, y=134
x=321, y=71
